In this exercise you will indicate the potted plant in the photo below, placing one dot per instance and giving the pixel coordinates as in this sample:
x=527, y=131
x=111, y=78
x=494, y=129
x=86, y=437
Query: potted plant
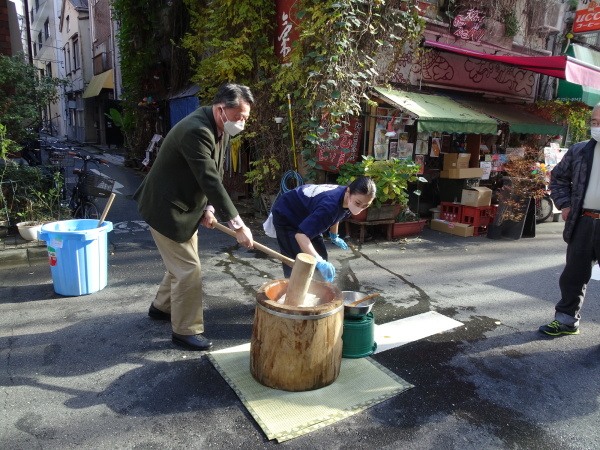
x=407, y=222
x=35, y=198
x=524, y=182
x=264, y=180
x=392, y=178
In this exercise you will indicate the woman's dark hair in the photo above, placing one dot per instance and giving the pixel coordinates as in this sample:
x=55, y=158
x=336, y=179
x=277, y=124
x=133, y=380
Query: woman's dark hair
x=232, y=94
x=363, y=185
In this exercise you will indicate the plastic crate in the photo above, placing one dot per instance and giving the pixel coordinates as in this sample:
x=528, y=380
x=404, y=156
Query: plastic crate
x=97, y=185
x=478, y=216
x=451, y=212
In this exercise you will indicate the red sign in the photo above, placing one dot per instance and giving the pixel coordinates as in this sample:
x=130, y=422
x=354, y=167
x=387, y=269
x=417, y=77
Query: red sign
x=335, y=153
x=587, y=17
x=287, y=29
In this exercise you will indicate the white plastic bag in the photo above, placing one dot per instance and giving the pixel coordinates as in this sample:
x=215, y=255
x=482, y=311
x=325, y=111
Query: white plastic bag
x=269, y=227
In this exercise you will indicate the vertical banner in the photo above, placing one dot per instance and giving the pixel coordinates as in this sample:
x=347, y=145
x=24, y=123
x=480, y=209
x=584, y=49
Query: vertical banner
x=587, y=17
x=335, y=153
x=287, y=29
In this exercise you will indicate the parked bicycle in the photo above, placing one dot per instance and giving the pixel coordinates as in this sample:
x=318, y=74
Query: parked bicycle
x=543, y=208
x=59, y=160
x=89, y=186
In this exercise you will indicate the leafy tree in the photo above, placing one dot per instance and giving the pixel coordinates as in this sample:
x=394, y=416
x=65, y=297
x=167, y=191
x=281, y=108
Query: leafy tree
x=333, y=64
x=23, y=95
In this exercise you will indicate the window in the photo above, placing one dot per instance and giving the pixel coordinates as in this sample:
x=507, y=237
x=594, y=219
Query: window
x=37, y=5
x=40, y=40
x=47, y=29
x=68, y=58
x=49, y=70
x=67, y=24
x=75, y=54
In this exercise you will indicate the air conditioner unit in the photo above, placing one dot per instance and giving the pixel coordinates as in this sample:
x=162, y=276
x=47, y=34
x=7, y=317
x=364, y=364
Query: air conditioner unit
x=554, y=17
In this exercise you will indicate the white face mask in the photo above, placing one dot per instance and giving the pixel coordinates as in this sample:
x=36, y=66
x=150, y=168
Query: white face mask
x=595, y=133
x=232, y=128
x=354, y=209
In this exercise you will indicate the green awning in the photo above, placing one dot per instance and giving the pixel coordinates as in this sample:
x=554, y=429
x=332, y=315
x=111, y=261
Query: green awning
x=438, y=114
x=99, y=82
x=518, y=120
x=576, y=92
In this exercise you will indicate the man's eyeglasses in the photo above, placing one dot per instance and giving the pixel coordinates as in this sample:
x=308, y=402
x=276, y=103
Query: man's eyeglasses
x=594, y=123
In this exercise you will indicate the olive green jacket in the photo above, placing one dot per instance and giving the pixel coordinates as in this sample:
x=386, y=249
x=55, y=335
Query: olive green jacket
x=186, y=175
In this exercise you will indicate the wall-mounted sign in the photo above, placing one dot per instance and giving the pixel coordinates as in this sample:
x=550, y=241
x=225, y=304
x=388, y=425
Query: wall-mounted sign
x=469, y=26
x=287, y=29
x=335, y=153
x=587, y=17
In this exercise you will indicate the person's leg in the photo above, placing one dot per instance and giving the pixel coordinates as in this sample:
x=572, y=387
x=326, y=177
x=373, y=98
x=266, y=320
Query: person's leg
x=184, y=274
x=288, y=246
x=580, y=259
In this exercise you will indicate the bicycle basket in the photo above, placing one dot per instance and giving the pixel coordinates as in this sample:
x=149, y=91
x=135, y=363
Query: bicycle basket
x=61, y=158
x=97, y=185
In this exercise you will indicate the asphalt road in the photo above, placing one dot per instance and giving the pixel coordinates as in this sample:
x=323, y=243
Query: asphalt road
x=94, y=372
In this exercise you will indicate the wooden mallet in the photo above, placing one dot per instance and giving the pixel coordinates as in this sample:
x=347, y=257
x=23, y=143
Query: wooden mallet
x=302, y=269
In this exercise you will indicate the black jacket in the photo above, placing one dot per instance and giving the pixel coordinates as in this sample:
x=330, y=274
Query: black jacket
x=569, y=182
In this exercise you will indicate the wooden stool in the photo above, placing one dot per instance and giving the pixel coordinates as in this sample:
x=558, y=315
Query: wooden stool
x=363, y=225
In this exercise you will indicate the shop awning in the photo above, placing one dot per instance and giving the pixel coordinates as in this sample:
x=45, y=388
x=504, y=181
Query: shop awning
x=576, y=92
x=565, y=67
x=99, y=82
x=438, y=114
x=518, y=120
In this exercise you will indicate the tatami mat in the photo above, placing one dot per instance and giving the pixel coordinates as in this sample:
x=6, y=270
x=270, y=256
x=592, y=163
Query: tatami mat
x=283, y=415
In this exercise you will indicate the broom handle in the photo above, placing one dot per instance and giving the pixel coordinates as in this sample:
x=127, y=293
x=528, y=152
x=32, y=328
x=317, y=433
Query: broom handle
x=106, y=208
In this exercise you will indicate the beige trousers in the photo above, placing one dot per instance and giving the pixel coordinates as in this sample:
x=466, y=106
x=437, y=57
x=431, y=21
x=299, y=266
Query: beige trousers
x=180, y=292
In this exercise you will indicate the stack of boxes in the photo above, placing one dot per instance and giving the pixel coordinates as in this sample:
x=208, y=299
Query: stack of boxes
x=470, y=217
x=456, y=165
x=474, y=213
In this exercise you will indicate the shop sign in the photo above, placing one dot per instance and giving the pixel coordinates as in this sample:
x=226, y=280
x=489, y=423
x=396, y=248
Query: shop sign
x=587, y=17
x=331, y=155
x=287, y=29
x=469, y=26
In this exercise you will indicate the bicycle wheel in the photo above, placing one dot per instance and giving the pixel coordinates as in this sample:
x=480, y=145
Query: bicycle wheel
x=543, y=209
x=86, y=210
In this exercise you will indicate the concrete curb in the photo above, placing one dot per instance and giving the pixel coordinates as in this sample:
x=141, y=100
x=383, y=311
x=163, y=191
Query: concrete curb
x=23, y=257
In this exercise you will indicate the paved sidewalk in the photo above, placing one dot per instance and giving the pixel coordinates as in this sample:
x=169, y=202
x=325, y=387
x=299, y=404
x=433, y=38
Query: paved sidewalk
x=16, y=251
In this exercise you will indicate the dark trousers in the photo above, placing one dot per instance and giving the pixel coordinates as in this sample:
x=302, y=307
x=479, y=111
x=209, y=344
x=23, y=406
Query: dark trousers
x=288, y=246
x=582, y=255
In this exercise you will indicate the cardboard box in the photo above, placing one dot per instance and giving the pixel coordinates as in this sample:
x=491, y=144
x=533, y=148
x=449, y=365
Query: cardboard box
x=477, y=196
x=456, y=160
x=459, y=229
x=462, y=173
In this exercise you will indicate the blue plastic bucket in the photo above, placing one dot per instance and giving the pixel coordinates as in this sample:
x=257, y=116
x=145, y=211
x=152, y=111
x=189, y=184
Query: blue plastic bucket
x=77, y=251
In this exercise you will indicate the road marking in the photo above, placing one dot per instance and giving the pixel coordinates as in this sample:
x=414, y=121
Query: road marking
x=116, y=186
x=401, y=332
x=130, y=226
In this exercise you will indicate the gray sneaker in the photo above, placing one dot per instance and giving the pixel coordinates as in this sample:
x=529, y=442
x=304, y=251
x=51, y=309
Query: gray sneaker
x=556, y=328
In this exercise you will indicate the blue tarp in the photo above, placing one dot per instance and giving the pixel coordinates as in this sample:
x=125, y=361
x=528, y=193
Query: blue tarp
x=181, y=107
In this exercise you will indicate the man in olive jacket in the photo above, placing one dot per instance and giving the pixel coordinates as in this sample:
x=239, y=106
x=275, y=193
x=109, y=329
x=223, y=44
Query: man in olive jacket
x=183, y=189
x=575, y=190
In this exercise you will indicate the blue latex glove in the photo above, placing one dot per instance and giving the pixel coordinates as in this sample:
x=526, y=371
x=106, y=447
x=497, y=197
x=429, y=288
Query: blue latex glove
x=337, y=240
x=326, y=269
